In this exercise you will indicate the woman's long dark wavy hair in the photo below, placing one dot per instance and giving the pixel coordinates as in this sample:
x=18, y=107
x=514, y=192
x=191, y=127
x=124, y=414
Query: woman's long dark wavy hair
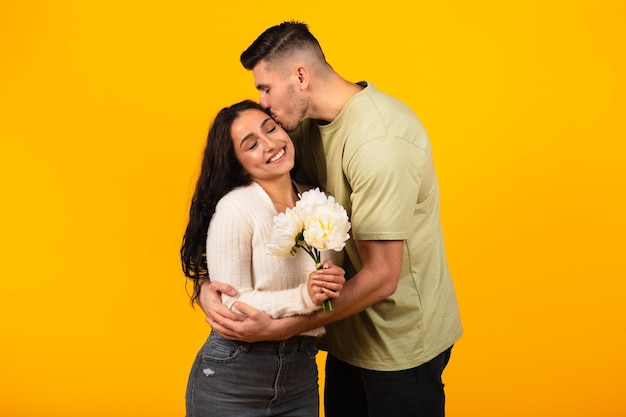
x=220, y=173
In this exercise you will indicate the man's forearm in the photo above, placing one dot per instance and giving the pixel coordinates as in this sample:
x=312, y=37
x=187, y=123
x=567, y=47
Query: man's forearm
x=376, y=280
x=284, y=328
x=354, y=298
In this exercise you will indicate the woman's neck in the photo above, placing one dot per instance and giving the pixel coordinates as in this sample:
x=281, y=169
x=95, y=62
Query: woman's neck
x=281, y=192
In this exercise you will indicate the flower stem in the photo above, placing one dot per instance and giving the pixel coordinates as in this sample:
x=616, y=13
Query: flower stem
x=316, y=254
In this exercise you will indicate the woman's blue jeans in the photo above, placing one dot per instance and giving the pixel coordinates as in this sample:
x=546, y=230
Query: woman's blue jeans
x=261, y=379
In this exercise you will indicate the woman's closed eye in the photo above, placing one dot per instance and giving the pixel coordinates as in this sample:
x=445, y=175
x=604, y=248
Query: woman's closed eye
x=253, y=145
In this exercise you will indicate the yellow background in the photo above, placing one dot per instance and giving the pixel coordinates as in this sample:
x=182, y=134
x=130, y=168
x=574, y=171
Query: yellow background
x=104, y=107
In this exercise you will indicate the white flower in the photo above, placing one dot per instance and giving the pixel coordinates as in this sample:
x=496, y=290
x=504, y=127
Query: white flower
x=285, y=234
x=315, y=224
x=326, y=222
x=310, y=200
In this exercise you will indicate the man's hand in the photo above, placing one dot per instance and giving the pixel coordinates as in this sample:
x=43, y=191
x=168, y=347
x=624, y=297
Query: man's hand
x=251, y=326
x=210, y=300
x=255, y=325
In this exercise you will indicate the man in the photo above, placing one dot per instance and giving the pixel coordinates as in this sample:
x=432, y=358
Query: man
x=390, y=333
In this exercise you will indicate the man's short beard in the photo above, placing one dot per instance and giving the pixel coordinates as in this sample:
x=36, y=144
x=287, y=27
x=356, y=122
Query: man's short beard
x=299, y=108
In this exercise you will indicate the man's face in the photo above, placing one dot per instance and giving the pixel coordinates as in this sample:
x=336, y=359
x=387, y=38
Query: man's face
x=280, y=95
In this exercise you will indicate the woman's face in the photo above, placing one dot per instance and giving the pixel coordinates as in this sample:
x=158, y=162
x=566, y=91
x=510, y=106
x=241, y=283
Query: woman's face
x=262, y=147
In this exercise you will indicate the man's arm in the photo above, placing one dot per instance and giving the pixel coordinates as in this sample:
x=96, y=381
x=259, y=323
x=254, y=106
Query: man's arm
x=330, y=279
x=378, y=279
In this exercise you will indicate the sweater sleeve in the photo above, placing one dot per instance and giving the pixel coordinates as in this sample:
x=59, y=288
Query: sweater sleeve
x=230, y=246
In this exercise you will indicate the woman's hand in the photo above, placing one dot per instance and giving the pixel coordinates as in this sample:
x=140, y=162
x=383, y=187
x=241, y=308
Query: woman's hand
x=326, y=283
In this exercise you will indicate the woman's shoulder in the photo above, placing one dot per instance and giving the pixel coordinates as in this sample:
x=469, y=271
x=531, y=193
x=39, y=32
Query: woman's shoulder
x=247, y=196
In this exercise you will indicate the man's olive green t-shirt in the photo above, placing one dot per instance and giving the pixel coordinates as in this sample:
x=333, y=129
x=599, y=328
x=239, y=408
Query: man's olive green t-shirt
x=375, y=159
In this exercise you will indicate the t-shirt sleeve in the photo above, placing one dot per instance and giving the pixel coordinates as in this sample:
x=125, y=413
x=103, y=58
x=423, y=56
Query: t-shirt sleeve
x=386, y=175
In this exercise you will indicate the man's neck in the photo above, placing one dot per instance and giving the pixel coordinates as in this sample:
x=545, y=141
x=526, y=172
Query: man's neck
x=330, y=97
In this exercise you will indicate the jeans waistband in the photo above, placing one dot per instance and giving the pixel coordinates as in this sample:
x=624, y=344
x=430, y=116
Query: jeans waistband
x=294, y=343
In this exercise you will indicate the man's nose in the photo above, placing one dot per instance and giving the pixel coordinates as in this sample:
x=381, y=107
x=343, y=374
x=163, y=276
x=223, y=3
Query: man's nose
x=264, y=102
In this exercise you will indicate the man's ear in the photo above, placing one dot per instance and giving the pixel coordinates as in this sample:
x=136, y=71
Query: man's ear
x=303, y=76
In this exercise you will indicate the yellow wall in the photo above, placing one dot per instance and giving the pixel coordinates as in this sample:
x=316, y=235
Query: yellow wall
x=104, y=107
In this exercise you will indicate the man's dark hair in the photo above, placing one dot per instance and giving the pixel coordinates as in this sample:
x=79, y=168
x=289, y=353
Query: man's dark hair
x=278, y=41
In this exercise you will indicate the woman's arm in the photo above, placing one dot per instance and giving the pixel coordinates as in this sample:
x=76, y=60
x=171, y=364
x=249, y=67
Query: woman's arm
x=230, y=249
x=377, y=279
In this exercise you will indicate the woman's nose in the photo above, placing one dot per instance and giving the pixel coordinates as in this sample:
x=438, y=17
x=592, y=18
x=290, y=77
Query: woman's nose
x=269, y=144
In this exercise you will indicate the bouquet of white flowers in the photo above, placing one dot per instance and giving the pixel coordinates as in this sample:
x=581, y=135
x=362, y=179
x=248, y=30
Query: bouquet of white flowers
x=317, y=223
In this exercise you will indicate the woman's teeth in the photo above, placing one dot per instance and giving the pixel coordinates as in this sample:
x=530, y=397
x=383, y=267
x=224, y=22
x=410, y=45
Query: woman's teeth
x=277, y=156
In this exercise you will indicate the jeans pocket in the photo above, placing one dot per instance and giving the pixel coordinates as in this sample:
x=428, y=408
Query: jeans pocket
x=218, y=349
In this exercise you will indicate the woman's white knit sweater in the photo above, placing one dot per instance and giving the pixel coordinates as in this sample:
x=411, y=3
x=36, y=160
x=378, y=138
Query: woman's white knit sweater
x=236, y=254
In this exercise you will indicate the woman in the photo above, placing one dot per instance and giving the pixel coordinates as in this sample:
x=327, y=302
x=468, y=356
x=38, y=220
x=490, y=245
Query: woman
x=244, y=182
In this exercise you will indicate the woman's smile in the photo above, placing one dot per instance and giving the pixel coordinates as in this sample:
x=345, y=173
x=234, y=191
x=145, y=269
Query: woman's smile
x=277, y=156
